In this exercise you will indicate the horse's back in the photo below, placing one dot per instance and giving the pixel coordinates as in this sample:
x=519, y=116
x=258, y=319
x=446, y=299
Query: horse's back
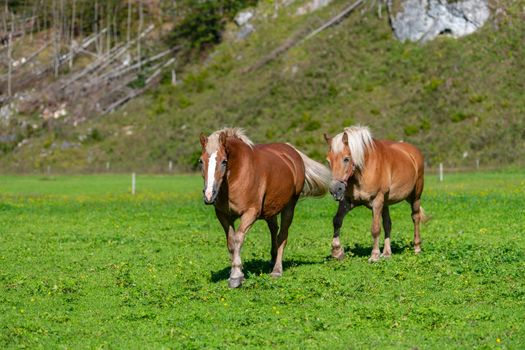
x=409, y=149
x=282, y=159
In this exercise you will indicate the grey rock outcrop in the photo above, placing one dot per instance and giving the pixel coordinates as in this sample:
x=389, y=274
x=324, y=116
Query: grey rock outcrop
x=244, y=17
x=242, y=20
x=311, y=6
x=423, y=20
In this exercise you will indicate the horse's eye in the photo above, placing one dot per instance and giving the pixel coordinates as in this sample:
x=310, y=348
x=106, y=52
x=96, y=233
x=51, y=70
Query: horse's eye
x=224, y=162
x=346, y=160
x=200, y=161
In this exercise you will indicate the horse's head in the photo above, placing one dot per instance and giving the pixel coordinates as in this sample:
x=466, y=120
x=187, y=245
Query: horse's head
x=213, y=163
x=341, y=164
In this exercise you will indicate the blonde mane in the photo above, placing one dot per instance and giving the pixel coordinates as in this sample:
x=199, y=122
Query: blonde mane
x=213, y=139
x=359, y=141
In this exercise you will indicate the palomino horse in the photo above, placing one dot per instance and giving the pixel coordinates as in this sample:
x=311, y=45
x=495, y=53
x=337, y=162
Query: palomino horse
x=374, y=173
x=251, y=182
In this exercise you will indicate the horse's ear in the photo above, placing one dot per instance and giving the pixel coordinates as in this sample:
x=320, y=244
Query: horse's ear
x=222, y=138
x=327, y=138
x=345, y=138
x=204, y=140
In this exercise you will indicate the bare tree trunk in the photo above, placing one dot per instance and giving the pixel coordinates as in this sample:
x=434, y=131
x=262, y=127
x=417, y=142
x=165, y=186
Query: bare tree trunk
x=24, y=23
x=115, y=25
x=108, y=25
x=9, y=56
x=129, y=21
x=6, y=11
x=34, y=18
x=96, y=28
x=37, y=19
x=81, y=24
x=56, y=39
x=45, y=23
x=63, y=23
x=10, y=63
x=141, y=22
x=72, y=40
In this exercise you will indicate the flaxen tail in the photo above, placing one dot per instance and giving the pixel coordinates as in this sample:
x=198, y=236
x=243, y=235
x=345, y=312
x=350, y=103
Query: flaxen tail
x=317, y=177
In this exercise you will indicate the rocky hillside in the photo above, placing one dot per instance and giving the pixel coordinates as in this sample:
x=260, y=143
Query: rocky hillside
x=458, y=99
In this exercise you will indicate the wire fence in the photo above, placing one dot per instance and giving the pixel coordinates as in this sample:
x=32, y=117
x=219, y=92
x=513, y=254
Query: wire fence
x=171, y=168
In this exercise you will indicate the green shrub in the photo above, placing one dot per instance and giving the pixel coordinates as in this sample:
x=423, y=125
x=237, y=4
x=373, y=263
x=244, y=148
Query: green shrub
x=312, y=125
x=204, y=21
x=411, y=130
x=459, y=116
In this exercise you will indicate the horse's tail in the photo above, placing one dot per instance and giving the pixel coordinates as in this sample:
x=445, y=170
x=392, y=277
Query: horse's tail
x=424, y=218
x=317, y=177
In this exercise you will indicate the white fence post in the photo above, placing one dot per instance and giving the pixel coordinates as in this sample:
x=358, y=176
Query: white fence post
x=133, y=182
x=170, y=166
x=440, y=172
x=173, y=77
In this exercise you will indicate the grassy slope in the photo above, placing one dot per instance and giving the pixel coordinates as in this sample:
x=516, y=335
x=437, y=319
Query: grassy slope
x=448, y=96
x=85, y=265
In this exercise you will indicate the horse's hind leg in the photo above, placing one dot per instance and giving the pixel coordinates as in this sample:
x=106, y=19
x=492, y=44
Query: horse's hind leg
x=337, y=250
x=274, y=230
x=387, y=226
x=282, y=238
x=416, y=219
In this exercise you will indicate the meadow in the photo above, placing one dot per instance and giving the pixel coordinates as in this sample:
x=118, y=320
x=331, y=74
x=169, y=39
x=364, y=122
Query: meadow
x=84, y=264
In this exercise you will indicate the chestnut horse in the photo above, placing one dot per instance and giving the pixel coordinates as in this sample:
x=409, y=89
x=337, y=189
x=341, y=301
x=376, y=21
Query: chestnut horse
x=374, y=173
x=251, y=182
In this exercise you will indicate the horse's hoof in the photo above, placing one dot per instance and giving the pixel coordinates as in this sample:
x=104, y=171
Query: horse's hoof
x=373, y=259
x=338, y=256
x=386, y=256
x=417, y=250
x=275, y=274
x=235, y=282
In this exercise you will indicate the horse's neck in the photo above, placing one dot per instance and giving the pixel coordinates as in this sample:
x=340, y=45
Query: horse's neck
x=239, y=176
x=240, y=159
x=360, y=175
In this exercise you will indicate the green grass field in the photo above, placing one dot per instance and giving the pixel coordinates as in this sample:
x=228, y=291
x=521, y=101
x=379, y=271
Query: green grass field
x=83, y=264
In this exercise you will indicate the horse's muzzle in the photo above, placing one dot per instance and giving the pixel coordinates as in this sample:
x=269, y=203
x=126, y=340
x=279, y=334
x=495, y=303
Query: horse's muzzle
x=338, y=189
x=210, y=198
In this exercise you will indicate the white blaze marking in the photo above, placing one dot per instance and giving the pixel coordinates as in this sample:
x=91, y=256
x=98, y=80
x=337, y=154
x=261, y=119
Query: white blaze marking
x=211, y=175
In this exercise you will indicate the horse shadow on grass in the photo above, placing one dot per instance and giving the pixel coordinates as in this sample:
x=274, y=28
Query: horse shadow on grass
x=259, y=266
x=361, y=250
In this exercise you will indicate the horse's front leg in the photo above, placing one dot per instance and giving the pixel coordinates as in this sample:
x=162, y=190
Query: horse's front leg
x=235, y=240
x=337, y=250
x=377, y=209
x=228, y=227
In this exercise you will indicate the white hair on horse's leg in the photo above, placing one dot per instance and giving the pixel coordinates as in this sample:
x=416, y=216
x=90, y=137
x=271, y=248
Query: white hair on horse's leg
x=211, y=175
